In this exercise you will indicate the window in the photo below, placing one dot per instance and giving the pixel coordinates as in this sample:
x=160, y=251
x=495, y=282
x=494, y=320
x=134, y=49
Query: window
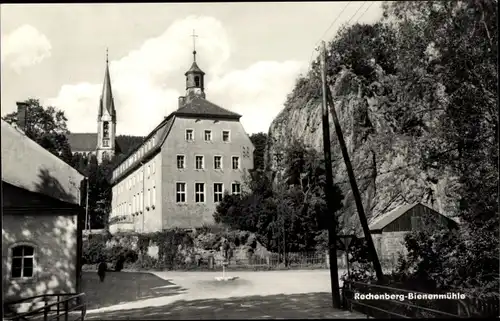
x=236, y=162
x=134, y=205
x=180, y=162
x=189, y=135
x=154, y=195
x=199, y=162
x=142, y=200
x=105, y=143
x=236, y=189
x=23, y=257
x=217, y=162
x=149, y=171
x=199, y=190
x=154, y=167
x=129, y=208
x=148, y=199
x=105, y=129
x=180, y=190
x=225, y=136
x=218, y=192
x=133, y=181
x=208, y=135
x=197, y=81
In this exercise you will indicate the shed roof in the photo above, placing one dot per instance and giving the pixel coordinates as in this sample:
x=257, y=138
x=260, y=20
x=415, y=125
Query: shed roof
x=383, y=220
x=29, y=166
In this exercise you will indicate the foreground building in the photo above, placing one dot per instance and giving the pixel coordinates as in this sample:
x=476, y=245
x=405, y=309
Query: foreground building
x=184, y=166
x=41, y=230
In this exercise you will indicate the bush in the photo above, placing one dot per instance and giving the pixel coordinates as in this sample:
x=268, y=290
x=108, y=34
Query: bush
x=94, y=250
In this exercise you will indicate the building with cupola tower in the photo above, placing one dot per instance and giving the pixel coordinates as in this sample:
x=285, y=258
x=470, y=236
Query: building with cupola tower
x=180, y=172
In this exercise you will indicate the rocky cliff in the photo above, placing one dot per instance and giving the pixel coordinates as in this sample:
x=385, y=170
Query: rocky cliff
x=385, y=162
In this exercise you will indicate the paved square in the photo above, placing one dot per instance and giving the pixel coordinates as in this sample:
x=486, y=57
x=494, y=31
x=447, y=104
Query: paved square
x=197, y=295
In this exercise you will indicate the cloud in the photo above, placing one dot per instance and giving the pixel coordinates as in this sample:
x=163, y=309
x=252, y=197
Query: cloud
x=24, y=47
x=146, y=82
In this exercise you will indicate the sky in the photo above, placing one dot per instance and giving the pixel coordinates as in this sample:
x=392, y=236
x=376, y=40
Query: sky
x=252, y=53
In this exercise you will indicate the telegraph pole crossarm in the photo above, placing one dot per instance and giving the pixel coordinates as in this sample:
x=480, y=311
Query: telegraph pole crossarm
x=354, y=186
x=332, y=224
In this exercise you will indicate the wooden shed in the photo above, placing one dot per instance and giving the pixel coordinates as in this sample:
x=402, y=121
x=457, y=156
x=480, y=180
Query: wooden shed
x=388, y=230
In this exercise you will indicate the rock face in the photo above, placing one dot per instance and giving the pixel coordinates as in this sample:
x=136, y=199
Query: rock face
x=385, y=163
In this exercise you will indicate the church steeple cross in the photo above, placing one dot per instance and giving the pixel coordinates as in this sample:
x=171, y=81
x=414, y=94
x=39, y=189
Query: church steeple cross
x=194, y=35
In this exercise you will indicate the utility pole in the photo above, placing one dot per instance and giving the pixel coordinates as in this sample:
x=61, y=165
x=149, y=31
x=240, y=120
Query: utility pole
x=87, y=223
x=279, y=158
x=350, y=172
x=332, y=222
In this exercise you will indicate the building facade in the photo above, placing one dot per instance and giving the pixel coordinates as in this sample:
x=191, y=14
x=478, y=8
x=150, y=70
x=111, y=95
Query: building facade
x=42, y=219
x=184, y=166
x=103, y=143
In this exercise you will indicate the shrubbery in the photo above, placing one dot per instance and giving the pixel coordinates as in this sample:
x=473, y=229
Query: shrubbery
x=176, y=248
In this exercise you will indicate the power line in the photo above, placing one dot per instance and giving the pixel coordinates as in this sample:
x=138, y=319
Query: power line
x=371, y=4
x=362, y=5
x=331, y=25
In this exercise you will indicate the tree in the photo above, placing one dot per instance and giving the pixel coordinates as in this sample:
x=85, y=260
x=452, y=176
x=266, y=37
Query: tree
x=46, y=126
x=259, y=140
x=292, y=214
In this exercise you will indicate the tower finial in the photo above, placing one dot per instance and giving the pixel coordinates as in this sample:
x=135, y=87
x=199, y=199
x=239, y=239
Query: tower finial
x=106, y=55
x=194, y=35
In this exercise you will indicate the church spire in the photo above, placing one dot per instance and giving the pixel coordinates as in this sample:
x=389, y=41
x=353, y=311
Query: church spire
x=106, y=102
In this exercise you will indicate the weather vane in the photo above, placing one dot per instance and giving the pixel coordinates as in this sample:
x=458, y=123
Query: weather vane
x=194, y=35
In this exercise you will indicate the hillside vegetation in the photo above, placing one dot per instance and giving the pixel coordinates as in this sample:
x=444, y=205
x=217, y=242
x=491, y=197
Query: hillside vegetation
x=416, y=94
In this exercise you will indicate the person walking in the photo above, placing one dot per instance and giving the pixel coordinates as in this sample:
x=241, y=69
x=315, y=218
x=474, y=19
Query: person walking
x=101, y=270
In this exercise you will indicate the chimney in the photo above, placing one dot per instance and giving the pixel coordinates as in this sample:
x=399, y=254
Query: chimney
x=22, y=115
x=182, y=101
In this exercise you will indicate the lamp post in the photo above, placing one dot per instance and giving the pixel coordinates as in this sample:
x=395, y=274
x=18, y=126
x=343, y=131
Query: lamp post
x=346, y=240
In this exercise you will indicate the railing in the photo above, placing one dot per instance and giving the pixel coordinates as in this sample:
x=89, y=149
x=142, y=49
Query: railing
x=56, y=307
x=397, y=303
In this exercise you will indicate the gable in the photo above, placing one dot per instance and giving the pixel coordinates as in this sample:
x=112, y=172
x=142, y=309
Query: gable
x=399, y=219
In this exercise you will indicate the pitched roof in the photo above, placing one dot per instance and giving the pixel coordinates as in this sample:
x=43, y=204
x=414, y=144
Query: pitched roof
x=383, y=220
x=163, y=129
x=196, y=107
x=85, y=142
x=29, y=166
x=203, y=108
x=82, y=142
